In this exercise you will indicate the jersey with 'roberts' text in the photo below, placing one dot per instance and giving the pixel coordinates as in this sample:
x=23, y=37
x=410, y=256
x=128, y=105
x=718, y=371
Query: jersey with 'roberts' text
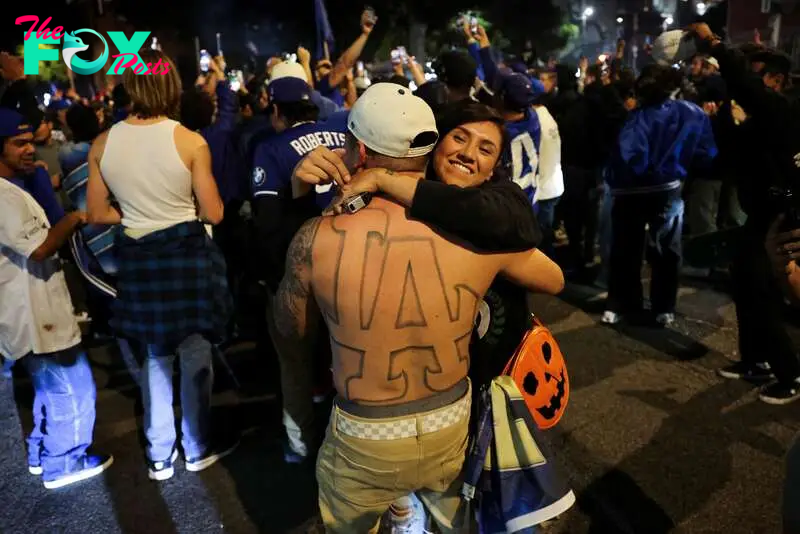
x=276, y=157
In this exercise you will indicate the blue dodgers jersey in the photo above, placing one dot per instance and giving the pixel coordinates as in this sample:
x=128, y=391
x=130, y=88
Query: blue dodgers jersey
x=522, y=155
x=276, y=157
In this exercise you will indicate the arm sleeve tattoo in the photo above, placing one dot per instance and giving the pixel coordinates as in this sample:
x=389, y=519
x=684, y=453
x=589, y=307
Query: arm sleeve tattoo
x=294, y=300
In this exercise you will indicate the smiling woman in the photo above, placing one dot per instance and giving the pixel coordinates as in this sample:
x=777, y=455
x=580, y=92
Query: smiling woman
x=472, y=140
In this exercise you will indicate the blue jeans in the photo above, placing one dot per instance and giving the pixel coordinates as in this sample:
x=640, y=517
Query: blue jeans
x=63, y=410
x=197, y=376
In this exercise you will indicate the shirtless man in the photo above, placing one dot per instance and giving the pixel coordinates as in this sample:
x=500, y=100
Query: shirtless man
x=400, y=303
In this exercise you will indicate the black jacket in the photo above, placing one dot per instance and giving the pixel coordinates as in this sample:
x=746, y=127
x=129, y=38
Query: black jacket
x=590, y=126
x=765, y=149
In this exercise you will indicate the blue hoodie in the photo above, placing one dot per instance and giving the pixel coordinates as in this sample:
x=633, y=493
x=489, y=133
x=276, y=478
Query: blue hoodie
x=659, y=146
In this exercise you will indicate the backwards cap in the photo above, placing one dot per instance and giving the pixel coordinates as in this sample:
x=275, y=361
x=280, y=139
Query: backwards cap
x=393, y=122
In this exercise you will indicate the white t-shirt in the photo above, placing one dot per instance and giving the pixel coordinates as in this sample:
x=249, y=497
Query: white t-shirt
x=550, y=177
x=36, y=311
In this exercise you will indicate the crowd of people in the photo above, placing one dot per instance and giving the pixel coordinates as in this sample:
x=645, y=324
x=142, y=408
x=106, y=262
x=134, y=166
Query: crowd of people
x=385, y=222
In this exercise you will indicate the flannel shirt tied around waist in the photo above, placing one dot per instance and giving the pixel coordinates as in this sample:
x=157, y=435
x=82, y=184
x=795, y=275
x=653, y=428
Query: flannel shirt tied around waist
x=171, y=284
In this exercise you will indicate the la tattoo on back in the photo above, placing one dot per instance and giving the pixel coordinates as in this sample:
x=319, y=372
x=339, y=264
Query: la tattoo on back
x=439, y=318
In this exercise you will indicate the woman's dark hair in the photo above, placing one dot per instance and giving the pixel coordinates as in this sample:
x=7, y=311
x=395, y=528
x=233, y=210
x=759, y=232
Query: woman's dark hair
x=294, y=112
x=463, y=112
x=197, y=109
x=83, y=123
x=656, y=84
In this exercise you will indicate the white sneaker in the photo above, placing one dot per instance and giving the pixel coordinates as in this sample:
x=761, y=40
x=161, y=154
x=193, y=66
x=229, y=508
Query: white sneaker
x=87, y=467
x=610, y=317
x=665, y=319
x=163, y=470
x=414, y=523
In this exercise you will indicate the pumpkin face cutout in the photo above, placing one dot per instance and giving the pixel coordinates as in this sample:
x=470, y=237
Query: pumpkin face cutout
x=539, y=370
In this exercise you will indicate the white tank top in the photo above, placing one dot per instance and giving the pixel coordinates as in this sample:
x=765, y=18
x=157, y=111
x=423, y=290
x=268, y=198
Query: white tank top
x=142, y=169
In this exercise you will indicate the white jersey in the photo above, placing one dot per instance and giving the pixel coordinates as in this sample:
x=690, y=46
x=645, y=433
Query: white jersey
x=36, y=314
x=550, y=178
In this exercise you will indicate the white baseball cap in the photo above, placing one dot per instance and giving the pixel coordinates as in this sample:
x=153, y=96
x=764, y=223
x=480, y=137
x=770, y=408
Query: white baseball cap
x=673, y=47
x=393, y=122
x=287, y=69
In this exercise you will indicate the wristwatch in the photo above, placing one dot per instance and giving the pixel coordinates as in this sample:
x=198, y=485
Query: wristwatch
x=356, y=203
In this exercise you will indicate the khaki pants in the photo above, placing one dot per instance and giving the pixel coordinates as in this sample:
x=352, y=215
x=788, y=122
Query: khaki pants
x=360, y=477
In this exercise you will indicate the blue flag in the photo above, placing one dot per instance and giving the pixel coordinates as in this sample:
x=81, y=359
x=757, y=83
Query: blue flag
x=324, y=30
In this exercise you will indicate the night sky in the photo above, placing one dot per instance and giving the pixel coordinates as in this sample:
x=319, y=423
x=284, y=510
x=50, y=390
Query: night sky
x=273, y=26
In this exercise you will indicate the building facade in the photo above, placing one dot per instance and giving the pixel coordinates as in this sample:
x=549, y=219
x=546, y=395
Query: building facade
x=778, y=22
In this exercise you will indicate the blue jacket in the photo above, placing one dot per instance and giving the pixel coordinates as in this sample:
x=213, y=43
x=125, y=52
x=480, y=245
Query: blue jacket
x=659, y=146
x=229, y=170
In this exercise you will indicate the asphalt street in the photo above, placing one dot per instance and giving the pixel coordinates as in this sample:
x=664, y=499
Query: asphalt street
x=653, y=440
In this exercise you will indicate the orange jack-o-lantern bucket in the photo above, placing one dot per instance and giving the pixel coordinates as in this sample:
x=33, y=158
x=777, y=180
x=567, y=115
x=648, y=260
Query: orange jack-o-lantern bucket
x=540, y=372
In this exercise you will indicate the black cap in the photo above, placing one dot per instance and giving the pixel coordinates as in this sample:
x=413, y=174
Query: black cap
x=775, y=61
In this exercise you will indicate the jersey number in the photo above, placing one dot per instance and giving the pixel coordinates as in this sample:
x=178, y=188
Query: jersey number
x=523, y=151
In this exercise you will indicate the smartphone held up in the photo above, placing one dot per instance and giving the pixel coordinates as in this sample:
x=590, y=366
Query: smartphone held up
x=369, y=16
x=205, y=60
x=235, y=79
x=473, y=26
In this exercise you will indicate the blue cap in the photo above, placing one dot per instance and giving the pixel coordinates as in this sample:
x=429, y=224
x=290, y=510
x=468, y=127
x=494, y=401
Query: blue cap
x=538, y=87
x=289, y=89
x=518, y=66
x=517, y=90
x=58, y=105
x=13, y=123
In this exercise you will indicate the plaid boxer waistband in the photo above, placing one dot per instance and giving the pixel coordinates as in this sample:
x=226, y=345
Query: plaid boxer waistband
x=403, y=427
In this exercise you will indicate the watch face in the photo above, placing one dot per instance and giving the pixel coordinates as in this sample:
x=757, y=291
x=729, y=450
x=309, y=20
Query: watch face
x=356, y=203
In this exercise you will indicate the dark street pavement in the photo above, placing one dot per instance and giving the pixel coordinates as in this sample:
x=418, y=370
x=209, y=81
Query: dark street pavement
x=653, y=440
